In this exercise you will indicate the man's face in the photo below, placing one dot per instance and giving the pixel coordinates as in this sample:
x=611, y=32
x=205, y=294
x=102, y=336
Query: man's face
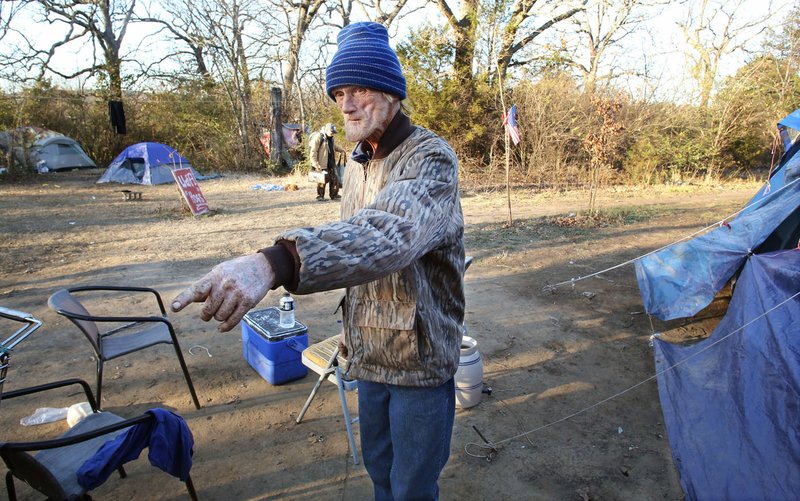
x=366, y=112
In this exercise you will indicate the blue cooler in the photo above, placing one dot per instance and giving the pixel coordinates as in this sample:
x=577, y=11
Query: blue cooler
x=273, y=351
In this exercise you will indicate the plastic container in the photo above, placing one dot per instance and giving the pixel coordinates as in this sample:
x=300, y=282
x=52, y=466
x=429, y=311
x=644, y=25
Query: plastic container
x=273, y=351
x=77, y=412
x=469, y=376
x=286, y=307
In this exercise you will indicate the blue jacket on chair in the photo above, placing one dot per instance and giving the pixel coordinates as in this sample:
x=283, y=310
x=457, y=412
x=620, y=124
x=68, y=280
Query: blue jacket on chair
x=168, y=438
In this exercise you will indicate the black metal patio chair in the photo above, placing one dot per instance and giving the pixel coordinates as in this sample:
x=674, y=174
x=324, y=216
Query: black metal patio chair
x=53, y=470
x=137, y=333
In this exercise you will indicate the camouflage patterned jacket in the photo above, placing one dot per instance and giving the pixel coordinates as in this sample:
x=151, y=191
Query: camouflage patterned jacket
x=318, y=154
x=399, y=251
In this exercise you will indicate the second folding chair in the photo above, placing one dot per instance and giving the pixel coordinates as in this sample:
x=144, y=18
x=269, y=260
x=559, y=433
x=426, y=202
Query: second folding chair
x=138, y=332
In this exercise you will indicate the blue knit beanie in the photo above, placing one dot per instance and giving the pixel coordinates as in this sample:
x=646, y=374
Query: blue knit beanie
x=364, y=58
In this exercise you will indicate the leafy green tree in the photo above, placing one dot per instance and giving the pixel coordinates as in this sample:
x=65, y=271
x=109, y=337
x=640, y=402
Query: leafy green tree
x=439, y=101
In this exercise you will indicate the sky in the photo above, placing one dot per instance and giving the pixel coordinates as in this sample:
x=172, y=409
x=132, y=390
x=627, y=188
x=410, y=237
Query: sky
x=670, y=47
x=659, y=46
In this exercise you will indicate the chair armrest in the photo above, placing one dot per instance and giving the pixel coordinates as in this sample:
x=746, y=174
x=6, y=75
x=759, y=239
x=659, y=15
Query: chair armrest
x=122, y=288
x=74, y=439
x=131, y=322
x=30, y=324
x=134, y=320
x=50, y=386
x=19, y=316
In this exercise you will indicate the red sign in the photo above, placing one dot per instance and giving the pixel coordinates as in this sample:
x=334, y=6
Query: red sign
x=190, y=190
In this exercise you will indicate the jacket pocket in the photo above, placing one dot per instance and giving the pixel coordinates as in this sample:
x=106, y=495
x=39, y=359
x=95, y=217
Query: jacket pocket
x=388, y=334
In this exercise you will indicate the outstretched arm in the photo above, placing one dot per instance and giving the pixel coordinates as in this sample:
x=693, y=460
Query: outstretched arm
x=229, y=290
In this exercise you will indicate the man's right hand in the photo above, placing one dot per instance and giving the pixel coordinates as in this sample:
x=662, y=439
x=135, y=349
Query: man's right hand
x=229, y=290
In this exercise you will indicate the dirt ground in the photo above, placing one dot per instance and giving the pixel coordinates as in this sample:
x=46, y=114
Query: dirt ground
x=551, y=357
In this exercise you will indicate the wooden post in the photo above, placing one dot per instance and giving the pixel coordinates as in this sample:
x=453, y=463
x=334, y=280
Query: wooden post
x=276, y=137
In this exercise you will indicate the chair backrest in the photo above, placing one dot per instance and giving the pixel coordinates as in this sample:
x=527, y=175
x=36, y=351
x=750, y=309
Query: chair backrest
x=32, y=472
x=59, y=470
x=64, y=303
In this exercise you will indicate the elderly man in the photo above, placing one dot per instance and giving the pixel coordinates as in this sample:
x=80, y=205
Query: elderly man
x=321, y=153
x=398, y=250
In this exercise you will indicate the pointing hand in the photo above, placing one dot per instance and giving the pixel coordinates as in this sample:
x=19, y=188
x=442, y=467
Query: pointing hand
x=229, y=290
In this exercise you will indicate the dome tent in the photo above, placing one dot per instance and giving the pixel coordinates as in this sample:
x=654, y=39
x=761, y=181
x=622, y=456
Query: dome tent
x=145, y=163
x=44, y=150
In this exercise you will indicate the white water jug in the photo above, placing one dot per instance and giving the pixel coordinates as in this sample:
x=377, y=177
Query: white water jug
x=469, y=376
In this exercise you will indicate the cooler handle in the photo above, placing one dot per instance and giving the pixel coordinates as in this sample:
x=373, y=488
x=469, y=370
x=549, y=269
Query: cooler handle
x=295, y=345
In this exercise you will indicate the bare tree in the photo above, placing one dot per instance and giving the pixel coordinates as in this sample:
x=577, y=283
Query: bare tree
x=100, y=24
x=599, y=27
x=187, y=27
x=298, y=18
x=714, y=29
x=229, y=42
x=230, y=50
x=524, y=21
x=385, y=12
x=784, y=48
x=7, y=12
x=525, y=24
x=345, y=9
x=465, y=29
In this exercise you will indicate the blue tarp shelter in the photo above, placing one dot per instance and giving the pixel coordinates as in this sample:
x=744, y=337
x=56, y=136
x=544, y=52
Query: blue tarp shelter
x=145, y=163
x=731, y=402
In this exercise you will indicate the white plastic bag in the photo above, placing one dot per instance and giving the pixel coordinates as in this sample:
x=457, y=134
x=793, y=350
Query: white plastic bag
x=44, y=415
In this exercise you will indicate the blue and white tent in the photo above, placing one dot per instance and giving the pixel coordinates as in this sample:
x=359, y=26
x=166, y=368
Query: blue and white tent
x=731, y=402
x=145, y=163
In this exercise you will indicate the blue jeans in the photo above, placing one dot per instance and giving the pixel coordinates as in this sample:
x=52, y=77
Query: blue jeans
x=405, y=437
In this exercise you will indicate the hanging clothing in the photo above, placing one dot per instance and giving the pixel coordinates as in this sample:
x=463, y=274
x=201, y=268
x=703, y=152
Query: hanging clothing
x=167, y=436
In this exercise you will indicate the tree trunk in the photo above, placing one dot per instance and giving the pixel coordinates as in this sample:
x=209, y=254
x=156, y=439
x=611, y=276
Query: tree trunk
x=465, y=33
x=276, y=136
x=306, y=12
x=520, y=13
